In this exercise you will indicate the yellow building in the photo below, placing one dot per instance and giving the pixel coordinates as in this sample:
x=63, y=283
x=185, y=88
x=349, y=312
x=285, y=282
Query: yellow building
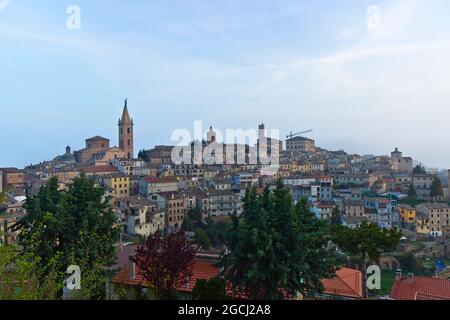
x=118, y=182
x=422, y=224
x=407, y=214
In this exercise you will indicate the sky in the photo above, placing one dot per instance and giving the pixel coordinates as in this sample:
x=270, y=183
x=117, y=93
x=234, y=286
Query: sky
x=366, y=76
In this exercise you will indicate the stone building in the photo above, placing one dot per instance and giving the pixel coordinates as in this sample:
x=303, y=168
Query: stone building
x=400, y=163
x=98, y=150
x=300, y=144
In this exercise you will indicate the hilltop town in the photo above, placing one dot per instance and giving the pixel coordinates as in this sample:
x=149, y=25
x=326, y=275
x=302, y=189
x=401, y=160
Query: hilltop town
x=150, y=193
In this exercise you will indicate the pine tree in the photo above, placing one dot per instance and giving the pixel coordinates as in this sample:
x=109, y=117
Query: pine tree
x=412, y=194
x=336, y=217
x=436, y=188
x=276, y=249
x=419, y=169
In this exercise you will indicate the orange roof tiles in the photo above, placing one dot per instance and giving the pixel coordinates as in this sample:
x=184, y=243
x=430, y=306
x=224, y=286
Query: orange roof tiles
x=348, y=283
x=99, y=169
x=421, y=288
x=161, y=180
x=201, y=270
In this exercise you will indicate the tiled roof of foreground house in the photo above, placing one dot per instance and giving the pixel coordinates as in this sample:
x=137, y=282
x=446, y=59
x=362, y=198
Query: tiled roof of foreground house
x=202, y=270
x=421, y=288
x=347, y=283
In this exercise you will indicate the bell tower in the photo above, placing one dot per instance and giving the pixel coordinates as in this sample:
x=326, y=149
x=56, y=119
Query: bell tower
x=126, y=132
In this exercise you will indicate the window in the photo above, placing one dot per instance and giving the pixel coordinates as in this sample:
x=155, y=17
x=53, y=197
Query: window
x=129, y=130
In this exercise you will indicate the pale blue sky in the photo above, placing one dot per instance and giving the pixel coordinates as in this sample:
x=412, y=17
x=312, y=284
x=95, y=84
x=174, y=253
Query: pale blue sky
x=293, y=64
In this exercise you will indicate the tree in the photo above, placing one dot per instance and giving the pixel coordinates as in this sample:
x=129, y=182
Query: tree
x=276, y=249
x=336, y=217
x=419, y=169
x=187, y=224
x=202, y=239
x=213, y=289
x=412, y=194
x=2, y=197
x=436, y=188
x=409, y=263
x=2, y=211
x=193, y=218
x=368, y=241
x=142, y=155
x=166, y=262
x=19, y=278
x=73, y=227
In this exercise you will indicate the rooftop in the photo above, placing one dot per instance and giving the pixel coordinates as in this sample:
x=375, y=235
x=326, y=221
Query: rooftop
x=97, y=138
x=99, y=169
x=421, y=288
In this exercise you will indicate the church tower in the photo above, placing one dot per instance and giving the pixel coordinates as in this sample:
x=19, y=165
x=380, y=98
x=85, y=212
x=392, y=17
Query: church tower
x=126, y=132
x=211, y=135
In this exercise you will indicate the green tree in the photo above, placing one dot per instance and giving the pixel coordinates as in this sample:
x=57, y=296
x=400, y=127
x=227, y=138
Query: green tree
x=436, y=188
x=336, y=217
x=19, y=279
x=409, y=263
x=195, y=214
x=368, y=241
x=2, y=211
x=73, y=227
x=419, y=169
x=202, y=239
x=213, y=289
x=2, y=197
x=187, y=225
x=142, y=155
x=276, y=248
x=192, y=219
x=412, y=194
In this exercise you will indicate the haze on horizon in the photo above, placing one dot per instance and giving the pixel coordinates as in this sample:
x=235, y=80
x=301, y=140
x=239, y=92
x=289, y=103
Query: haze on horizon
x=294, y=65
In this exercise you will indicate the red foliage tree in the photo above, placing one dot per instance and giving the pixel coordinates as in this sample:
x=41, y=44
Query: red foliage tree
x=166, y=262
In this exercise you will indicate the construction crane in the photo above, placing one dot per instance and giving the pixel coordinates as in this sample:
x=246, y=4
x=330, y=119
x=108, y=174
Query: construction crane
x=292, y=135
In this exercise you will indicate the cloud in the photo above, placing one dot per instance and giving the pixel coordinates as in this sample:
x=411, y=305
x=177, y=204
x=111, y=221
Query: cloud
x=4, y=4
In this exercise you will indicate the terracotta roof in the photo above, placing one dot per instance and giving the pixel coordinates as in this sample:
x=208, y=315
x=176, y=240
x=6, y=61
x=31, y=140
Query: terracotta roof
x=123, y=255
x=161, y=180
x=421, y=288
x=99, y=169
x=201, y=270
x=348, y=283
x=325, y=206
x=97, y=138
x=11, y=170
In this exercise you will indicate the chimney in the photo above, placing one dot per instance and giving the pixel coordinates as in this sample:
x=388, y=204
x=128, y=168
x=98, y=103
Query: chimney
x=410, y=278
x=132, y=268
x=398, y=275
